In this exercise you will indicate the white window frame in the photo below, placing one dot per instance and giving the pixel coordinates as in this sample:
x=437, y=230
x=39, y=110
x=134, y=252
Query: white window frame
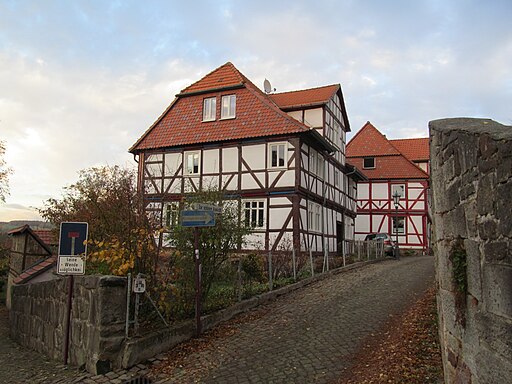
x=315, y=216
x=186, y=169
x=400, y=228
x=316, y=163
x=209, y=108
x=368, y=158
x=256, y=209
x=228, y=107
x=171, y=214
x=278, y=147
x=320, y=165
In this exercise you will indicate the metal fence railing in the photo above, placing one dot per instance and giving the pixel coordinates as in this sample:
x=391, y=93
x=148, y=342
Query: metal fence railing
x=247, y=275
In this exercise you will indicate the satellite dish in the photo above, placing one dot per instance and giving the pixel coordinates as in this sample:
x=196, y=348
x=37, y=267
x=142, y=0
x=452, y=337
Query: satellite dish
x=266, y=86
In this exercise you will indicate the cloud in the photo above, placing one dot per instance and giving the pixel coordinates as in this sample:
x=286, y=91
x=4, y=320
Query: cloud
x=81, y=81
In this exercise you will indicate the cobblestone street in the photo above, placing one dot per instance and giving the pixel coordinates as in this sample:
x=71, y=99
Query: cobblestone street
x=306, y=336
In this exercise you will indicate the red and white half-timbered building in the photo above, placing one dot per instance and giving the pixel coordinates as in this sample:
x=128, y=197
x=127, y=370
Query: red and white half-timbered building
x=392, y=166
x=282, y=156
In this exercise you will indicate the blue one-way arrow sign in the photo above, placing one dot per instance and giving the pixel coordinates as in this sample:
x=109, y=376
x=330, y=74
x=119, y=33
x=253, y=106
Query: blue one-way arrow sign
x=197, y=218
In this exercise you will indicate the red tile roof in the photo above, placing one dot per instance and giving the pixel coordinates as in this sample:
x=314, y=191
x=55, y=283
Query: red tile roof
x=390, y=167
x=305, y=97
x=414, y=149
x=35, y=270
x=224, y=76
x=257, y=115
x=46, y=235
x=26, y=229
x=390, y=163
x=370, y=142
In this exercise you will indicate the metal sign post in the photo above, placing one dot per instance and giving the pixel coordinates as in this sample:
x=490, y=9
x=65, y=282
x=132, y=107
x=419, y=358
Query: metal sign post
x=71, y=261
x=198, y=281
x=196, y=219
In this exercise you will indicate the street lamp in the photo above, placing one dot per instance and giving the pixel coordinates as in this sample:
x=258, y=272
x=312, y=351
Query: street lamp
x=396, y=201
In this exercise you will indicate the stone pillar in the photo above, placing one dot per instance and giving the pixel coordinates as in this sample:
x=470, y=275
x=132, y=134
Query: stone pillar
x=472, y=223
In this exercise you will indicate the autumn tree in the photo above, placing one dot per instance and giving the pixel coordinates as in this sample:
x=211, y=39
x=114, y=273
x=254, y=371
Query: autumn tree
x=4, y=174
x=216, y=243
x=120, y=235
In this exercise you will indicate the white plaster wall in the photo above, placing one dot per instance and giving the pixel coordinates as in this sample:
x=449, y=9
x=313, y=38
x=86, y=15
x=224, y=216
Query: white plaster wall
x=363, y=191
x=229, y=185
x=379, y=191
x=172, y=163
x=297, y=115
x=211, y=182
x=249, y=182
x=254, y=156
x=175, y=187
x=288, y=179
x=314, y=117
x=255, y=240
x=277, y=218
x=376, y=223
x=211, y=161
x=230, y=159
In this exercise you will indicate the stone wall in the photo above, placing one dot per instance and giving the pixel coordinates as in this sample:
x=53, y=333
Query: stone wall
x=38, y=317
x=472, y=214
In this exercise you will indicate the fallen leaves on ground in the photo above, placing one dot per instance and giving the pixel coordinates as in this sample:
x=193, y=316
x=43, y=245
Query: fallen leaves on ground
x=406, y=350
x=177, y=358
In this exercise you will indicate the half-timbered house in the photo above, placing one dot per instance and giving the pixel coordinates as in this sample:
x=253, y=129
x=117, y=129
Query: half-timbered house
x=282, y=156
x=392, y=166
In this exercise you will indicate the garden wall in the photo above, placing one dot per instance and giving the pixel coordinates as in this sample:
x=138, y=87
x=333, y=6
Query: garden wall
x=472, y=214
x=98, y=342
x=38, y=318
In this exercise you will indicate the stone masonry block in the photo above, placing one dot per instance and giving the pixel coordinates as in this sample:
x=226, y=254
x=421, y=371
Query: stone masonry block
x=504, y=208
x=486, y=146
x=495, y=332
x=504, y=169
x=467, y=152
x=449, y=316
x=112, y=281
x=492, y=368
x=498, y=252
x=474, y=272
x=444, y=267
x=488, y=228
x=455, y=223
x=497, y=289
x=485, y=202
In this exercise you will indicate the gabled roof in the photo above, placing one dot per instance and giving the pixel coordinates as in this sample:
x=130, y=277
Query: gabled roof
x=414, y=149
x=390, y=162
x=305, y=98
x=370, y=142
x=390, y=167
x=35, y=270
x=47, y=236
x=226, y=76
x=25, y=229
x=257, y=115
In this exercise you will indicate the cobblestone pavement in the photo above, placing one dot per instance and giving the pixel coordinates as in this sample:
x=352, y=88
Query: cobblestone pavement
x=306, y=336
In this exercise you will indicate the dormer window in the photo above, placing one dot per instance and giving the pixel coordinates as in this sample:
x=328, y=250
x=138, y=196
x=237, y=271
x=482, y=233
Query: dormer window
x=209, y=108
x=369, y=163
x=228, y=107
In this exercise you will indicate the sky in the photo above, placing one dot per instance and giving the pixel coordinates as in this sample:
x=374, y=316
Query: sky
x=80, y=81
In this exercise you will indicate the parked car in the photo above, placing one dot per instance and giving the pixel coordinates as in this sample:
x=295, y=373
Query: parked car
x=389, y=244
